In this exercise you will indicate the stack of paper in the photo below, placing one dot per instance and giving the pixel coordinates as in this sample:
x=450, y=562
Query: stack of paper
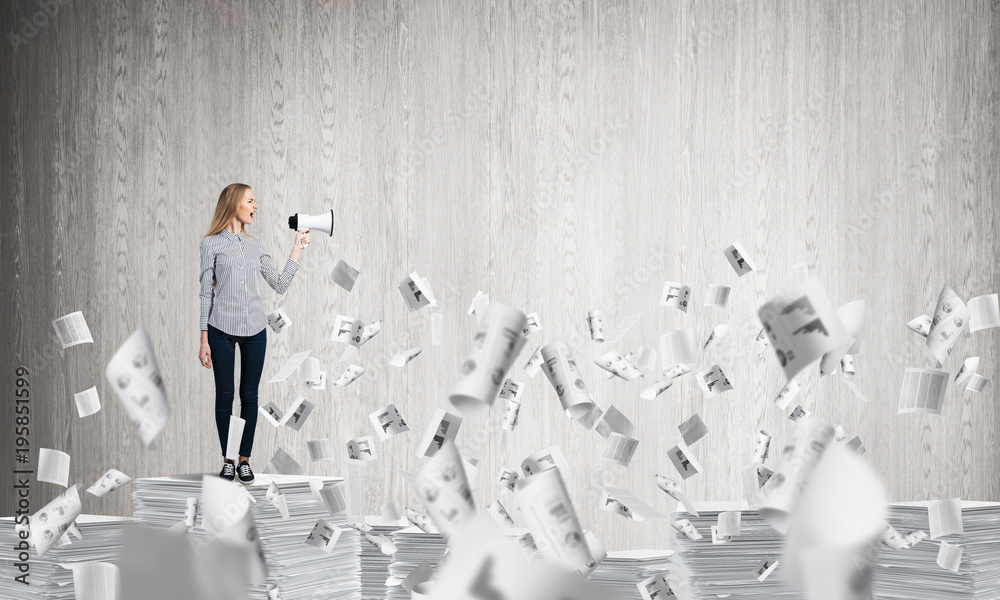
x=48, y=576
x=413, y=547
x=374, y=563
x=915, y=572
x=701, y=569
x=299, y=570
x=618, y=575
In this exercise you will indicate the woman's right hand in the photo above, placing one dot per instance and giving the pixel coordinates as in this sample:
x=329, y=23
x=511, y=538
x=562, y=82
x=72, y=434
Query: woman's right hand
x=205, y=354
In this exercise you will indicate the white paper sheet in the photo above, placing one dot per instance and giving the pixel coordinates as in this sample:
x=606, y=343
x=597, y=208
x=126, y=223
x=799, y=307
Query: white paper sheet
x=713, y=381
x=362, y=448
x=344, y=275
x=945, y=517
x=675, y=295
x=984, y=312
x=289, y=367
x=802, y=325
x=922, y=391
x=279, y=320
x=442, y=427
x=53, y=467
x=87, y=402
x=401, y=357
x=388, y=422
x=677, y=346
x=738, y=259
x=717, y=295
x=134, y=374
x=494, y=347
x=561, y=370
x=684, y=460
x=109, y=482
x=72, y=329
x=951, y=317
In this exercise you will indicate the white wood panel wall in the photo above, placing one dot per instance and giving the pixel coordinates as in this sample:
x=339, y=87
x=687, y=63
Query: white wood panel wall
x=561, y=156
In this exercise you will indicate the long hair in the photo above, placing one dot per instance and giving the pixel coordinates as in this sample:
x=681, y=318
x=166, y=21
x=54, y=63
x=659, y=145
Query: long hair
x=225, y=209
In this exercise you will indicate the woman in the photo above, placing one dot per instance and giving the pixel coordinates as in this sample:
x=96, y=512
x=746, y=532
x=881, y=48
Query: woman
x=234, y=315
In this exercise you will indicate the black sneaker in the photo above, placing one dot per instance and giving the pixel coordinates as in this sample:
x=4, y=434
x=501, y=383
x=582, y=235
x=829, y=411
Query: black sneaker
x=246, y=475
x=228, y=471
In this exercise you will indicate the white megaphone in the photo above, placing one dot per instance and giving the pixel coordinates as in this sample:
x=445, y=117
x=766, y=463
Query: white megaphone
x=301, y=222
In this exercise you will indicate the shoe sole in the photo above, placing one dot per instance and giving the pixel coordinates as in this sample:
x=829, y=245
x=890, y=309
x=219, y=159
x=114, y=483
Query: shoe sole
x=248, y=482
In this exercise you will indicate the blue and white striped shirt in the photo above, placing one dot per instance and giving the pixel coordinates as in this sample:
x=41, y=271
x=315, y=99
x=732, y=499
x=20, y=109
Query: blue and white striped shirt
x=230, y=263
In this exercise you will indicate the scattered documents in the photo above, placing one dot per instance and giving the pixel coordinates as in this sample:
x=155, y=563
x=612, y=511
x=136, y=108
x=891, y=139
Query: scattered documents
x=135, y=376
x=72, y=330
x=344, y=275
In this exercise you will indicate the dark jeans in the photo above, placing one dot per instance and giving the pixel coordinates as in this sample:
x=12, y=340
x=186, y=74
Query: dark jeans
x=252, y=350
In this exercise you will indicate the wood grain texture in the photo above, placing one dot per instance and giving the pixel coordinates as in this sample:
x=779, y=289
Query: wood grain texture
x=560, y=156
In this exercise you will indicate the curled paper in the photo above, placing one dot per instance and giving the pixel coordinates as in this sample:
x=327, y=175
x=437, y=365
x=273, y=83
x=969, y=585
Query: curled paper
x=494, y=348
x=562, y=372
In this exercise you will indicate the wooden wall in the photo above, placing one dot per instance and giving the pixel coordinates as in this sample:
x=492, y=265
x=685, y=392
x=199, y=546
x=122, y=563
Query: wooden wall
x=560, y=156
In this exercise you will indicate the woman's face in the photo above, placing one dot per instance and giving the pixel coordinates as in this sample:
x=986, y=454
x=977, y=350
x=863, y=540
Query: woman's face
x=248, y=206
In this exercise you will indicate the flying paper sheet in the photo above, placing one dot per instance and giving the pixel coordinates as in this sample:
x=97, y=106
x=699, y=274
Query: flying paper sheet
x=677, y=347
x=496, y=344
x=920, y=325
x=798, y=412
x=949, y=556
x=49, y=524
x=652, y=391
x=802, y=326
x=623, y=502
x=805, y=445
x=388, y=422
x=693, y=430
x=534, y=362
x=344, y=275
x=951, y=317
x=717, y=295
x=442, y=427
x=72, y=330
x=719, y=333
x=531, y=324
x=945, y=517
x=968, y=369
x=595, y=323
x=135, y=376
x=985, y=312
x=320, y=449
x=404, y=356
x=109, y=482
x=444, y=489
x=507, y=478
x=787, y=394
x=499, y=514
x=96, y=581
x=675, y=295
x=619, y=448
x=713, y=381
x=673, y=489
x=227, y=517
x=53, y=467
x=236, y=426
x=687, y=528
x=416, y=292
x=549, y=514
x=923, y=391
x=324, y=536
x=290, y=367
x=800, y=272
x=617, y=365
x=87, y=402
x=282, y=463
x=361, y=448
x=278, y=320
x=977, y=383
x=738, y=259
x=684, y=461
x=543, y=460
x=562, y=373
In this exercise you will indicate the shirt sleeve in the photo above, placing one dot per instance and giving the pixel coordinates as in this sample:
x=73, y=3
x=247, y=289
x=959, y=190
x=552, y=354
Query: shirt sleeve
x=207, y=280
x=279, y=282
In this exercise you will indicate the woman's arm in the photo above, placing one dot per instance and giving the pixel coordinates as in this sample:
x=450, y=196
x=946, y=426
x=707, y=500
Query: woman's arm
x=279, y=282
x=207, y=280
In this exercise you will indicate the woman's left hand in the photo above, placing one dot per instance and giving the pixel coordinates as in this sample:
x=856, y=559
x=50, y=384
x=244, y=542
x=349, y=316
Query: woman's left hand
x=301, y=239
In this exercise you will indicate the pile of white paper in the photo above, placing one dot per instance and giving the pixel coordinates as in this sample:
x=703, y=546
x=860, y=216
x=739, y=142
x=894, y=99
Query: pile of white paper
x=705, y=569
x=299, y=570
x=413, y=547
x=618, y=575
x=375, y=564
x=51, y=576
x=916, y=572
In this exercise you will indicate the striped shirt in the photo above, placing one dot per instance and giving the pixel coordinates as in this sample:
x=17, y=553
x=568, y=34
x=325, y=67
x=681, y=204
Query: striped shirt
x=230, y=263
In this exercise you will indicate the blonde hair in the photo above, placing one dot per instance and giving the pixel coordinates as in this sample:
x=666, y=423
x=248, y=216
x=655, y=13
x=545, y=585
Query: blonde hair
x=225, y=209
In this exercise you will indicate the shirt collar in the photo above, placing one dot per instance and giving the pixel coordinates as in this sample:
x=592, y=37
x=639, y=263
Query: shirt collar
x=231, y=235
